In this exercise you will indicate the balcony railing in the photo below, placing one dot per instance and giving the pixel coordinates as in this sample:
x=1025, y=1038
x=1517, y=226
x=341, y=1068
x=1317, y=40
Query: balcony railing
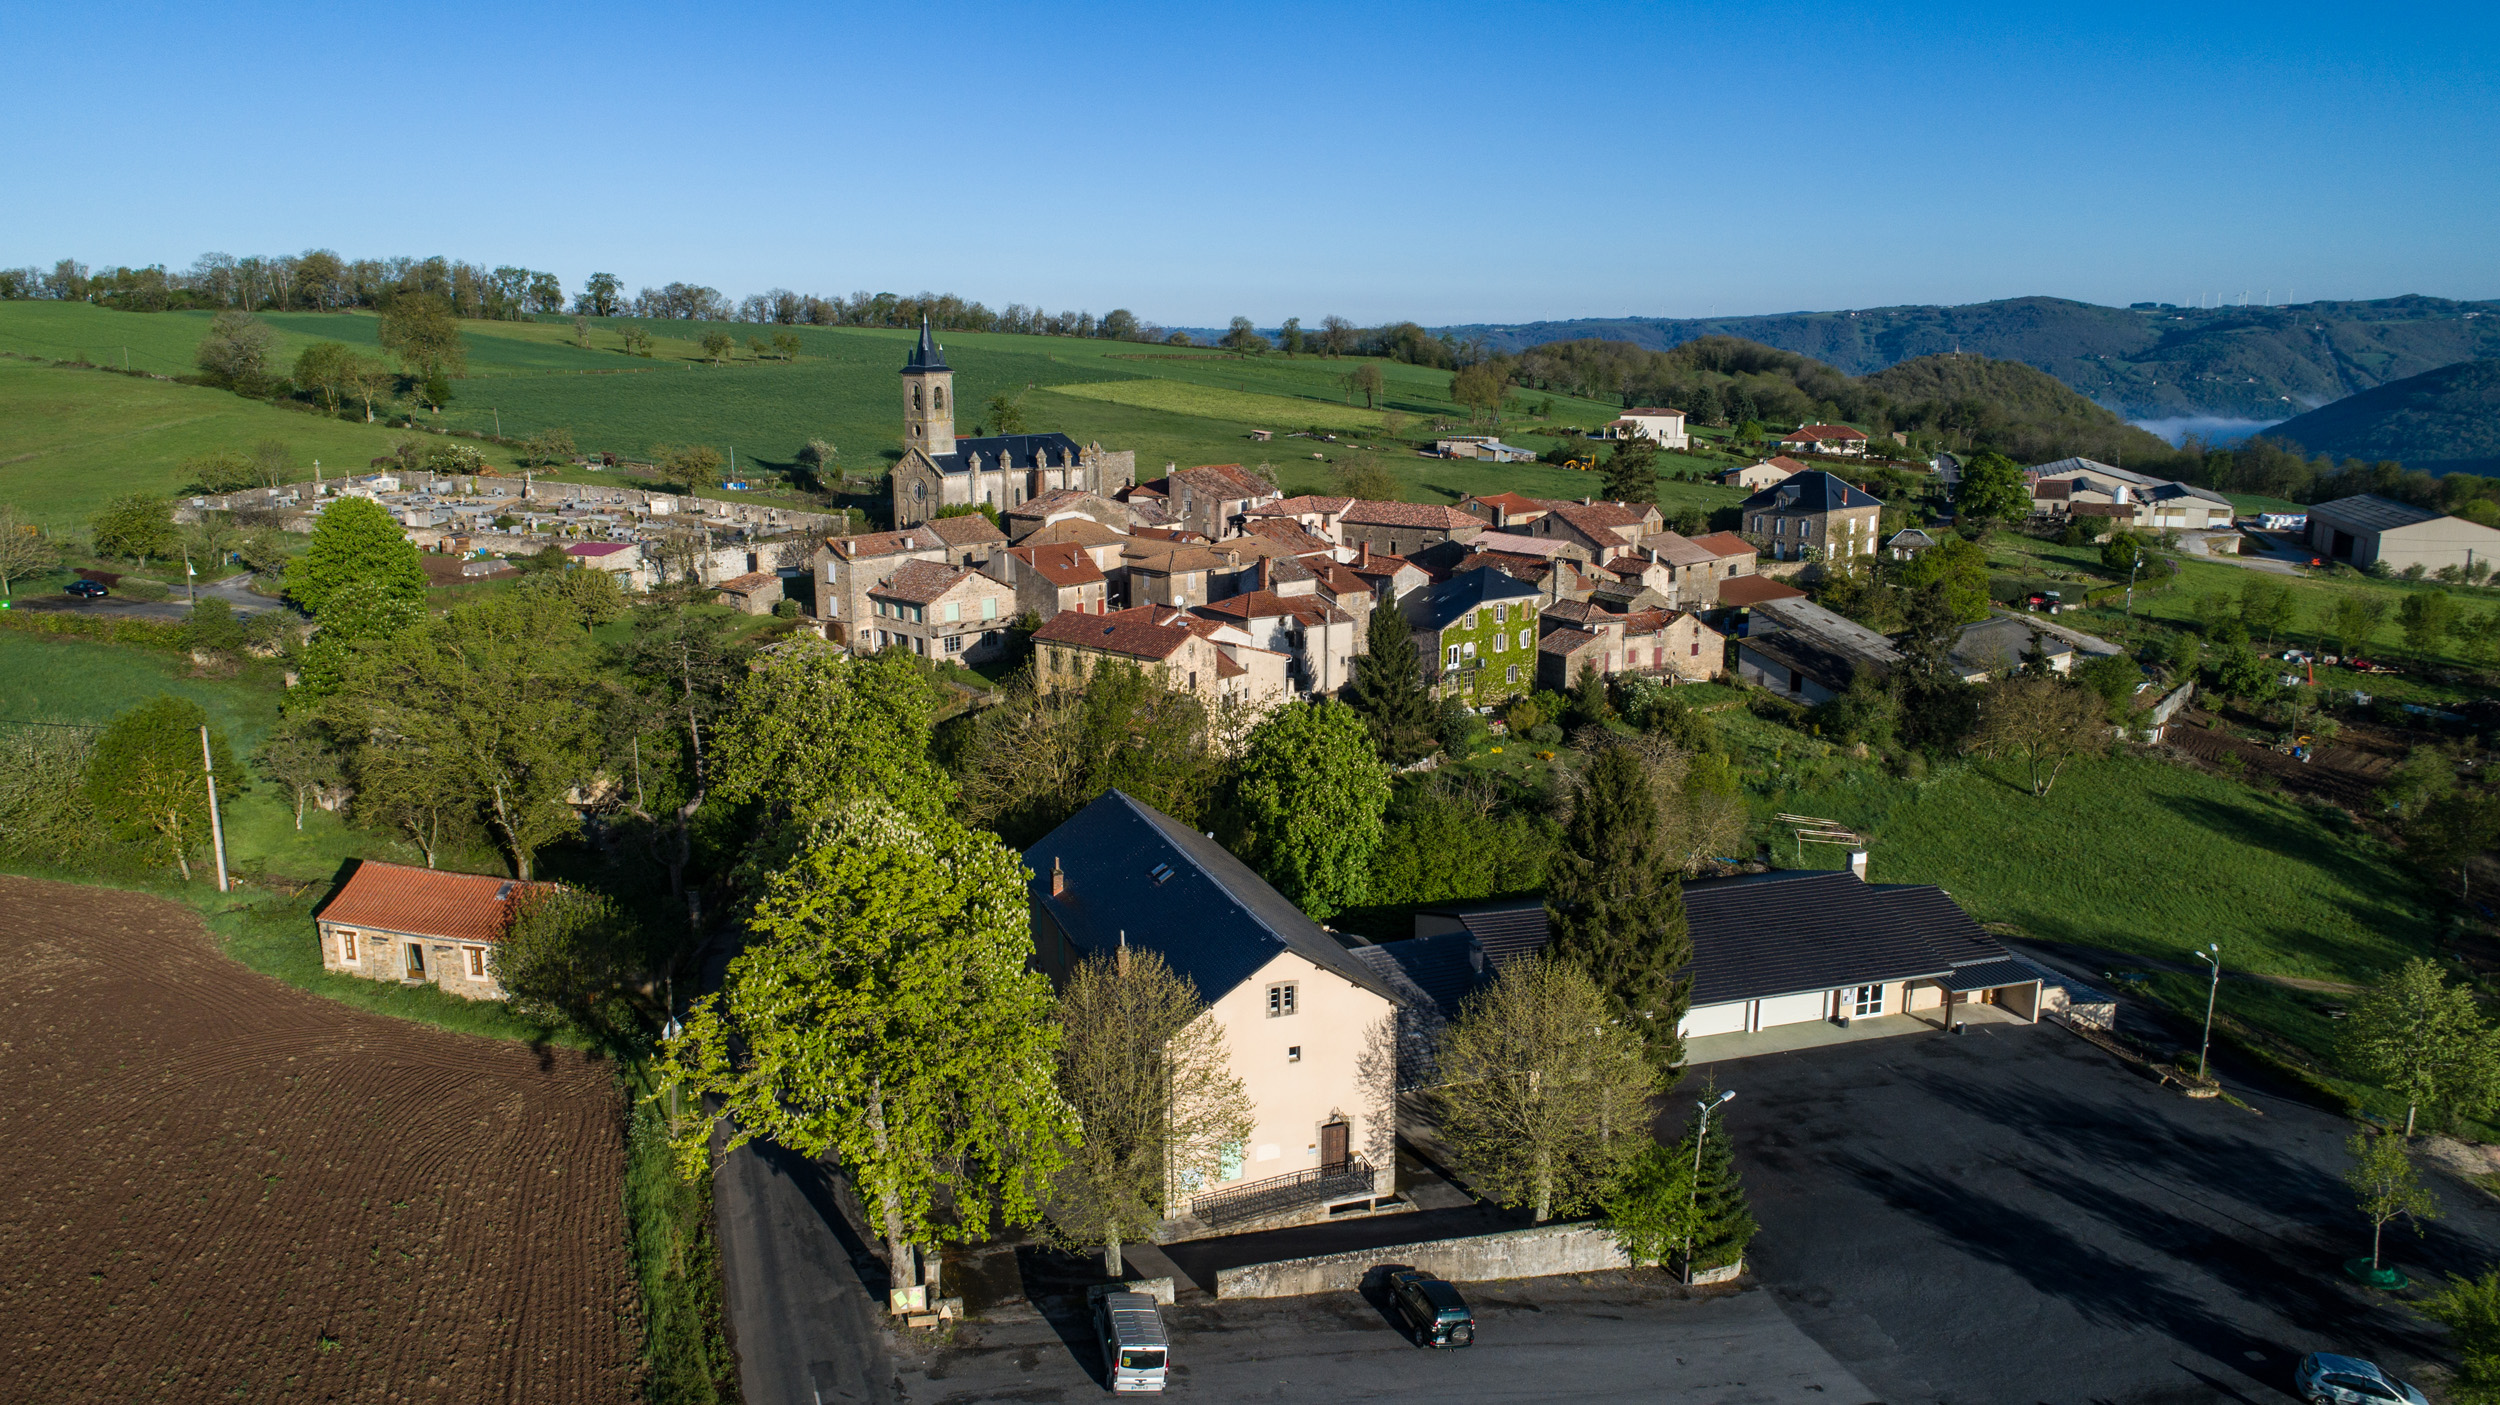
x=1259, y=1199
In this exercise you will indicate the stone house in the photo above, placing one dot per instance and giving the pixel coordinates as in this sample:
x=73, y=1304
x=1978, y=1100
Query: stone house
x=1656, y=642
x=1601, y=528
x=1477, y=635
x=1556, y=578
x=1812, y=516
x=1403, y=528
x=1214, y=499
x=938, y=611
x=844, y=569
x=970, y=538
x=1808, y=654
x=754, y=593
x=1316, y=514
x=1503, y=511
x=1062, y=505
x=392, y=922
x=1176, y=574
x=1053, y=578
x=939, y=470
x=1220, y=663
x=1762, y=475
x=1309, y=1029
x=1319, y=639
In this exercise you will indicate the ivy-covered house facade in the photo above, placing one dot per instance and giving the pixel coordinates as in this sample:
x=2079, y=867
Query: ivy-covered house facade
x=1476, y=633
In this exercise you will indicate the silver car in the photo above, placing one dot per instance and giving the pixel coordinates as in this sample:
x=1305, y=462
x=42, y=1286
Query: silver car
x=2323, y=1379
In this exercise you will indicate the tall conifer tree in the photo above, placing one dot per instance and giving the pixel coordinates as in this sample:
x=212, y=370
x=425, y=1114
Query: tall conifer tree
x=1388, y=687
x=1617, y=903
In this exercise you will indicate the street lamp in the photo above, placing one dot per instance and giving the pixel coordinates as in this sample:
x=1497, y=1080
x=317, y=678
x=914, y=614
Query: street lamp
x=1694, y=1205
x=2215, y=961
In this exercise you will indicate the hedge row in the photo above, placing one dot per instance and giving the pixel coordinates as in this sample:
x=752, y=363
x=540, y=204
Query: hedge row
x=112, y=629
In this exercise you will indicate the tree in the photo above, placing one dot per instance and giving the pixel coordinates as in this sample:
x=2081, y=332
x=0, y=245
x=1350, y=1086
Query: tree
x=1243, y=339
x=692, y=465
x=683, y=665
x=355, y=539
x=2265, y=607
x=235, y=353
x=2450, y=829
x=1289, y=338
x=591, y=596
x=1361, y=476
x=1480, y=388
x=2470, y=1309
x=298, y=757
x=2425, y=1041
x=2427, y=617
x=602, y=295
x=1632, y=470
x=2114, y=677
x=1145, y=1071
x=2044, y=721
x=137, y=526
x=1006, y=414
x=718, y=344
x=2384, y=1186
x=1307, y=801
x=1685, y=1202
x=2122, y=553
x=367, y=379
x=1365, y=380
x=1617, y=905
x=1544, y=1094
x=24, y=549
x=1034, y=760
x=811, y=729
x=884, y=1013
x=1955, y=566
x=323, y=369
x=211, y=627
x=1992, y=490
x=1388, y=686
x=400, y=788
x=2352, y=619
x=217, y=471
x=550, y=446
x=563, y=953
x=421, y=330
x=144, y=779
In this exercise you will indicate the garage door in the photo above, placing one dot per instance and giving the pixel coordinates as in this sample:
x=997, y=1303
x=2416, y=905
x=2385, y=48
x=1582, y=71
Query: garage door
x=1796, y=1009
x=1715, y=1019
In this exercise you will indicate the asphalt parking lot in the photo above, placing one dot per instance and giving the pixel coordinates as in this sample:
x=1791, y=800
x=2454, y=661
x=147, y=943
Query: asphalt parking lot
x=2012, y=1215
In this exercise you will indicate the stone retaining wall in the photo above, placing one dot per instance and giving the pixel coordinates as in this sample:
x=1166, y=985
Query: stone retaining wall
x=1519, y=1253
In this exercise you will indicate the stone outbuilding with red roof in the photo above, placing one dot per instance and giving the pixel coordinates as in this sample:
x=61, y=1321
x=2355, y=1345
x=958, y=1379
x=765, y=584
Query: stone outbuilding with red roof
x=392, y=922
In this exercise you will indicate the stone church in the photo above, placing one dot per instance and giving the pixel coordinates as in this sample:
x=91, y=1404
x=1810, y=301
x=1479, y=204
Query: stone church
x=939, y=470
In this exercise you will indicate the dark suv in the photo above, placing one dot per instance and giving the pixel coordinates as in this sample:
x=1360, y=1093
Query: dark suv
x=1433, y=1308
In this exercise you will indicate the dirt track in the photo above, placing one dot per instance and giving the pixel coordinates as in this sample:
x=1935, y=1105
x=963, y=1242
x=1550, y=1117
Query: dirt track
x=219, y=1187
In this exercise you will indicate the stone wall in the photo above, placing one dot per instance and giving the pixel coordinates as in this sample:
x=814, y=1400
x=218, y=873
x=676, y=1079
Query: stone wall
x=1520, y=1253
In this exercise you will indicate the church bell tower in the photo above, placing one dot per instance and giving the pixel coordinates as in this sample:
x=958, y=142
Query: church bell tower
x=928, y=399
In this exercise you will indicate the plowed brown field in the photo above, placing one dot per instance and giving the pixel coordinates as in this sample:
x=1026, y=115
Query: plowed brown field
x=217, y=1187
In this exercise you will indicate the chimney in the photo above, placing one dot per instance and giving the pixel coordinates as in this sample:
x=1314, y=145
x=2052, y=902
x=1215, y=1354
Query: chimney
x=1059, y=885
x=1122, y=959
x=1857, y=864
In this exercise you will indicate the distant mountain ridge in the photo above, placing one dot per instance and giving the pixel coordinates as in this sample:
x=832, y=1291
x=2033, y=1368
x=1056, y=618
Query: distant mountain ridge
x=2442, y=421
x=2256, y=363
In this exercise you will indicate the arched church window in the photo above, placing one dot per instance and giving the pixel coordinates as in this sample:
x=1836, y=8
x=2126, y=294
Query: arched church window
x=915, y=400
x=920, y=491
x=937, y=398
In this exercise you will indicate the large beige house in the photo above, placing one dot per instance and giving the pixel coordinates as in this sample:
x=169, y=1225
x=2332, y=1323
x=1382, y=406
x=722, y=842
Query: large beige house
x=419, y=926
x=1219, y=662
x=1308, y=1027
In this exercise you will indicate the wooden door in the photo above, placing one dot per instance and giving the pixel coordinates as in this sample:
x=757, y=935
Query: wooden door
x=1333, y=1152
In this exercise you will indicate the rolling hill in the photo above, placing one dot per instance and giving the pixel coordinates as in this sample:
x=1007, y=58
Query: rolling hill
x=2442, y=421
x=2249, y=363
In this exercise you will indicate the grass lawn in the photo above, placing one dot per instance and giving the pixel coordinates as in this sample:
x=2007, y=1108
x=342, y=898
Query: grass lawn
x=1242, y=406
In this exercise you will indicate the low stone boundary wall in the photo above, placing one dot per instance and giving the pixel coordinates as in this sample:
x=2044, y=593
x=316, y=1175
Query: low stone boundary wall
x=1520, y=1253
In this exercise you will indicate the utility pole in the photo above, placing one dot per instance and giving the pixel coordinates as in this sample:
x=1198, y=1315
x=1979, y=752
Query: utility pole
x=2215, y=961
x=216, y=826
x=2132, y=567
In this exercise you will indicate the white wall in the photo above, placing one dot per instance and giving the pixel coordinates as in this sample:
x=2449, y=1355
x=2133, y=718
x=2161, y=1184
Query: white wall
x=1343, y=1031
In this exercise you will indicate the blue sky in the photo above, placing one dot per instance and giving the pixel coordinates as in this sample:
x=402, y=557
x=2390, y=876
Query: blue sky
x=1447, y=163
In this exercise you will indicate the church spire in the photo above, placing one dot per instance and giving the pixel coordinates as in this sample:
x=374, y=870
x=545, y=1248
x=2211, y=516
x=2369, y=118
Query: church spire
x=927, y=356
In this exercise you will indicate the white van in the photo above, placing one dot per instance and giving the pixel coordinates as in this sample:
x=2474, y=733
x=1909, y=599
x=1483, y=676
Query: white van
x=1133, y=1345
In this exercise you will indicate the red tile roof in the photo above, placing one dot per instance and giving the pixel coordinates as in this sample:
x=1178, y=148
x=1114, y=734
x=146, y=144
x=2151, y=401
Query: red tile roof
x=1225, y=480
x=969, y=529
x=870, y=544
x=425, y=902
x=1296, y=506
x=1513, y=502
x=1725, y=544
x=1287, y=533
x=596, y=549
x=919, y=582
x=1259, y=604
x=1410, y=514
x=1060, y=564
x=1751, y=590
x=1079, y=531
x=1818, y=433
x=1151, y=632
x=1784, y=461
x=750, y=582
x=1565, y=642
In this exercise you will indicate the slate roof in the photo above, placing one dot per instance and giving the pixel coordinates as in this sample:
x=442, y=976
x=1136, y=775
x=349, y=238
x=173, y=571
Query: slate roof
x=424, y=902
x=1804, y=616
x=1010, y=451
x=1997, y=644
x=919, y=582
x=1410, y=514
x=926, y=356
x=1433, y=974
x=1796, y=930
x=1810, y=491
x=1433, y=608
x=1131, y=868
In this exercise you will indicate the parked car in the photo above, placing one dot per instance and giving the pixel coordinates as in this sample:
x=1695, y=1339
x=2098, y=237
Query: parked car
x=2324, y=1379
x=1433, y=1308
x=88, y=590
x=1135, y=1350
